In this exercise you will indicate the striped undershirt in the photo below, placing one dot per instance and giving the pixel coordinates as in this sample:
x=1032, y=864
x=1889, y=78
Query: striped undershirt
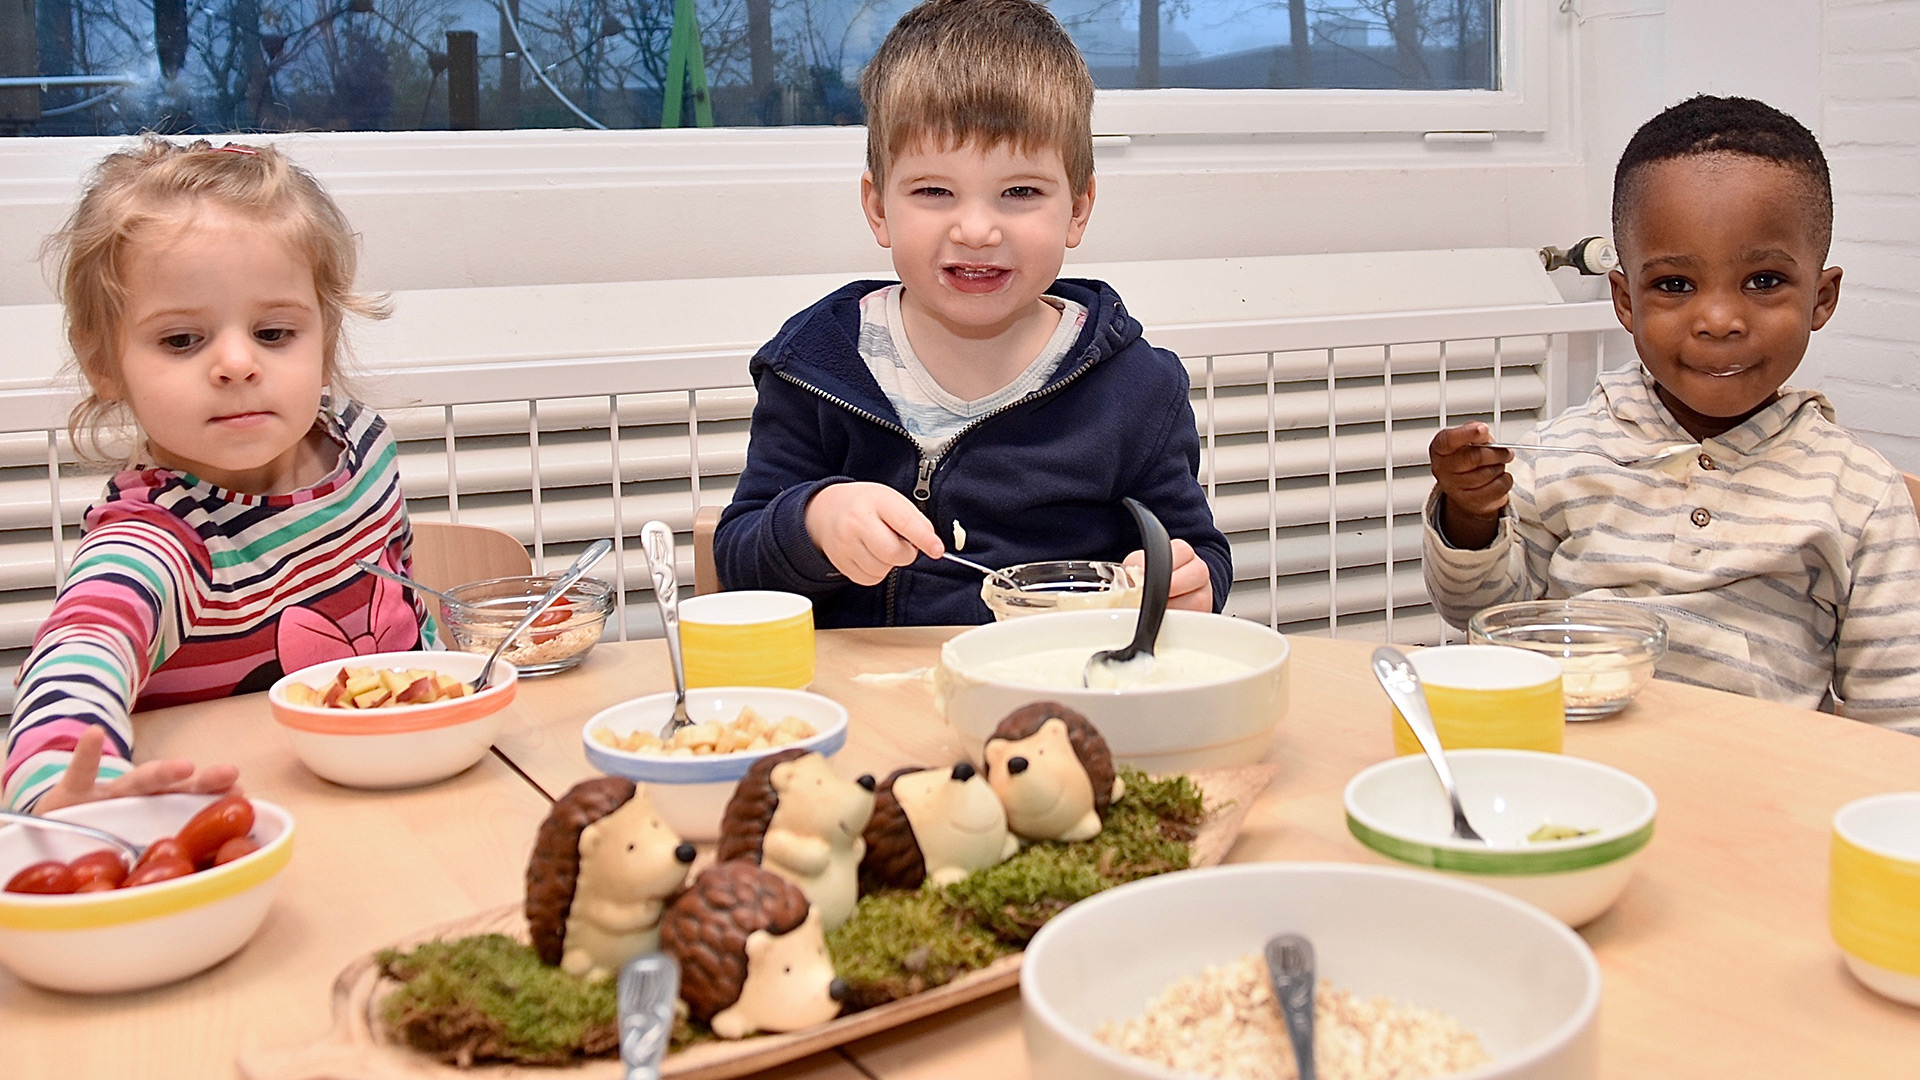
x=1784, y=555
x=181, y=591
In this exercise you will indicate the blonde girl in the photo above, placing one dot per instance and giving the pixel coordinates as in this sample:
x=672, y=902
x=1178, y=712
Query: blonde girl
x=205, y=290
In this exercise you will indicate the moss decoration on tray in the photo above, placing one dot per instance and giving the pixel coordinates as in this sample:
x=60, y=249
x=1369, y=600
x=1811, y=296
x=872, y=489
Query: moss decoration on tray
x=489, y=998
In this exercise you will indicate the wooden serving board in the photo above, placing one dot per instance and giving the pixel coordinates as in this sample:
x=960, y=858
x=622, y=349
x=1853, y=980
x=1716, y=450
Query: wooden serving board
x=358, y=1048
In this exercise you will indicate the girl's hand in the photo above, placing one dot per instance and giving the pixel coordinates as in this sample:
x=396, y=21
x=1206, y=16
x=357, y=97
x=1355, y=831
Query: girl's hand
x=1473, y=482
x=867, y=529
x=81, y=782
x=1192, y=587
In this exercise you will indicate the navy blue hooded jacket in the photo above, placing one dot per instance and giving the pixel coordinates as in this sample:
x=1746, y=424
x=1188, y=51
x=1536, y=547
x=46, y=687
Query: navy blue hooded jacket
x=1041, y=478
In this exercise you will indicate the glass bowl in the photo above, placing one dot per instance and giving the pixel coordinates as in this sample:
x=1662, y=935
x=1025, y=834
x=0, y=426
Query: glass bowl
x=1607, y=649
x=562, y=638
x=1062, y=585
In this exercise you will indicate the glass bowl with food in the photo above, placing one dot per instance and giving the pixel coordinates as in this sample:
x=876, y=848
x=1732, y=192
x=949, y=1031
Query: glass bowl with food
x=560, y=638
x=1607, y=649
x=1060, y=585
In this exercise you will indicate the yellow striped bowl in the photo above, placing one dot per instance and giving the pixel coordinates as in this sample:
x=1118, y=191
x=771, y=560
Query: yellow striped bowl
x=131, y=939
x=1873, y=897
x=748, y=638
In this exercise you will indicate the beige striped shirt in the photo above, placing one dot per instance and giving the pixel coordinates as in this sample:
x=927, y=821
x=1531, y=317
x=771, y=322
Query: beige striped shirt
x=1784, y=555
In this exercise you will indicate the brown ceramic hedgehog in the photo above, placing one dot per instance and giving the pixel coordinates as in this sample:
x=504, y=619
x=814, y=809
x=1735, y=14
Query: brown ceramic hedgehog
x=752, y=954
x=937, y=823
x=603, y=865
x=1052, y=772
x=792, y=815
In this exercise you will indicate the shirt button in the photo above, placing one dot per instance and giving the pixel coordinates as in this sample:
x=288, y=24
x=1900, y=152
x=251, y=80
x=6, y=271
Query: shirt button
x=1707, y=463
x=1702, y=518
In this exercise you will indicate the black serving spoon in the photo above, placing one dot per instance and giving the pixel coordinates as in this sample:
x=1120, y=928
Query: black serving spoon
x=1137, y=658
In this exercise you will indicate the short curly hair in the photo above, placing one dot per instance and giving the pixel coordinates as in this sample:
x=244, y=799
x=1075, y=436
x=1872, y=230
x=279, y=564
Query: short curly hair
x=1703, y=125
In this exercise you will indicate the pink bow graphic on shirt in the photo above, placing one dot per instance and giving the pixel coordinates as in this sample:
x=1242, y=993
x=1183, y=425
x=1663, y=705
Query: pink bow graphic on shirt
x=306, y=637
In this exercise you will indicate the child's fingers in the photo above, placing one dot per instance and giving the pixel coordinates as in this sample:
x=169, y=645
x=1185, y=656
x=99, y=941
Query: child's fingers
x=153, y=778
x=76, y=784
x=1454, y=439
x=912, y=527
x=216, y=780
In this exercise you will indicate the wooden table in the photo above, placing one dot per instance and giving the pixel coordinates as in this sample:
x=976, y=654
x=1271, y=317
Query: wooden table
x=1717, y=960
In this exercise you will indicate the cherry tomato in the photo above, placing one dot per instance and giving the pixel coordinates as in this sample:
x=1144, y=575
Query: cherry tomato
x=165, y=849
x=553, y=616
x=96, y=885
x=233, y=849
x=154, y=870
x=43, y=877
x=102, y=866
x=218, y=823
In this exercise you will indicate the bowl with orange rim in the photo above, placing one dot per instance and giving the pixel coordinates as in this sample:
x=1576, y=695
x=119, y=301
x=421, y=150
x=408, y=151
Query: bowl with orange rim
x=139, y=936
x=401, y=740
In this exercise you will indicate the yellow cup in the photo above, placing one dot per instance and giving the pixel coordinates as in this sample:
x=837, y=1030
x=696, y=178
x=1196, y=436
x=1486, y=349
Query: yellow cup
x=1873, y=892
x=748, y=638
x=1488, y=696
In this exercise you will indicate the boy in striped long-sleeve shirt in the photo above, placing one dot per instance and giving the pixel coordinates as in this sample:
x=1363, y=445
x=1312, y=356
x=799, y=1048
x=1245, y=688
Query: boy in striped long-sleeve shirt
x=1783, y=552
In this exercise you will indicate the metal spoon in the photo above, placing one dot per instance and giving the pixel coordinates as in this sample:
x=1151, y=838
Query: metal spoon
x=1137, y=658
x=656, y=539
x=649, y=984
x=587, y=560
x=1290, y=969
x=1654, y=458
x=1402, y=685
x=381, y=571
x=987, y=570
x=128, y=848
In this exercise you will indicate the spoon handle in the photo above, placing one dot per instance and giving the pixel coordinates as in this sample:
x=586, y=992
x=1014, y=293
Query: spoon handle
x=1290, y=968
x=1158, y=572
x=381, y=571
x=1402, y=685
x=649, y=985
x=127, y=847
x=656, y=539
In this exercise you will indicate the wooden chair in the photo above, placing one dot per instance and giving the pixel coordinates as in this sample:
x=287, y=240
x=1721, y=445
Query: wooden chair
x=706, y=576
x=445, y=555
x=1913, y=489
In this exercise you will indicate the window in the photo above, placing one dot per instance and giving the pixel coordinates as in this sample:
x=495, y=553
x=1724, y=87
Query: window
x=116, y=66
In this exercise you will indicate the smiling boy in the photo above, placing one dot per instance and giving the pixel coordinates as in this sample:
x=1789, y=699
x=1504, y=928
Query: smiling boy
x=980, y=389
x=1782, y=551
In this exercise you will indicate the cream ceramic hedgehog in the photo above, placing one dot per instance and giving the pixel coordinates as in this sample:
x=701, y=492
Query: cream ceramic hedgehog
x=795, y=817
x=752, y=954
x=1052, y=771
x=941, y=824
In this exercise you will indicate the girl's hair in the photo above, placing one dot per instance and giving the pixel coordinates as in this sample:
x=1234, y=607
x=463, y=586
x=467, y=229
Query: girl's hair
x=159, y=183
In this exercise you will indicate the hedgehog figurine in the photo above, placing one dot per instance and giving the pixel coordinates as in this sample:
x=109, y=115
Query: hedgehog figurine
x=603, y=866
x=1052, y=772
x=795, y=817
x=752, y=954
x=935, y=823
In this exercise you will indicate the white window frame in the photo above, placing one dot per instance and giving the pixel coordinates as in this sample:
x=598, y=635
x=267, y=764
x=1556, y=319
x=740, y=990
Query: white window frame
x=1521, y=105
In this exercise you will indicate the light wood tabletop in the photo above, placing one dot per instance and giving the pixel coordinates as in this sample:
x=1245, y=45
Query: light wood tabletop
x=1717, y=960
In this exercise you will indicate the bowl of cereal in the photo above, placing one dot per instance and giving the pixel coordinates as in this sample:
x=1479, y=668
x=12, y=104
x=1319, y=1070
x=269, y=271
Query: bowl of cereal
x=1607, y=649
x=691, y=778
x=1562, y=833
x=144, y=928
x=559, y=639
x=390, y=720
x=1422, y=976
x=1218, y=686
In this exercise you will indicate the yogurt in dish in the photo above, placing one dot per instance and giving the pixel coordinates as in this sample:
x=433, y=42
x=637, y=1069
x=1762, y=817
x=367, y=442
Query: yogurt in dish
x=1063, y=668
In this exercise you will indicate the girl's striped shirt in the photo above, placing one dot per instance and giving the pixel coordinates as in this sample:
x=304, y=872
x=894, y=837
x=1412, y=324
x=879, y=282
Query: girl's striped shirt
x=181, y=591
x=1784, y=555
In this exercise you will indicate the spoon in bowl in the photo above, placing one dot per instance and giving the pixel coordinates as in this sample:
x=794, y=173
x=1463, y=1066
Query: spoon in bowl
x=381, y=571
x=1403, y=688
x=1290, y=970
x=656, y=539
x=587, y=560
x=128, y=848
x=1134, y=663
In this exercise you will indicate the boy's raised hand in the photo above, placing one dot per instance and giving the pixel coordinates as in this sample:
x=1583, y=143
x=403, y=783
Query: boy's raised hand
x=1192, y=587
x=1473, y=483
x=81, y=782
x=867, y=529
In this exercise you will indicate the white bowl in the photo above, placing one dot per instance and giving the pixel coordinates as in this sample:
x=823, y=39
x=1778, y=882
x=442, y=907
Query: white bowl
x=402, y=745
x=131, y=939
x=691, y=793
x=1155, y=728
x=1526, y=985
x=1398, y=809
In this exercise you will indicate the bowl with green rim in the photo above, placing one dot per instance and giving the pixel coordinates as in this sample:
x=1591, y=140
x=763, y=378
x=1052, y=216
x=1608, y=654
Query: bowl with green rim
x=1562, y=833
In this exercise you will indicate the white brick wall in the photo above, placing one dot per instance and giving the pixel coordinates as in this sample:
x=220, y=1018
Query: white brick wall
x=1868, y=358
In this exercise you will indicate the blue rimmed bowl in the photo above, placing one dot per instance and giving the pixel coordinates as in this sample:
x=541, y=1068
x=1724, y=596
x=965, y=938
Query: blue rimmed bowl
x=692, y=792
x=1398, y=810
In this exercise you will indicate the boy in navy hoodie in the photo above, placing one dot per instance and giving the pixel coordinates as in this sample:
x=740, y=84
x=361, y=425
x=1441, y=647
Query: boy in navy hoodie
x=978, y=390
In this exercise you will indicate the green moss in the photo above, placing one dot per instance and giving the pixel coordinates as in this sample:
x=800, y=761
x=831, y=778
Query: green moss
x=900, y=942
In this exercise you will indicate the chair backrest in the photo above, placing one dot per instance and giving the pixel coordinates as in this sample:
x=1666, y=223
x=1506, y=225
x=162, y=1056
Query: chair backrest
x=445, y=555
x=706, y=577
x=1913, y=489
